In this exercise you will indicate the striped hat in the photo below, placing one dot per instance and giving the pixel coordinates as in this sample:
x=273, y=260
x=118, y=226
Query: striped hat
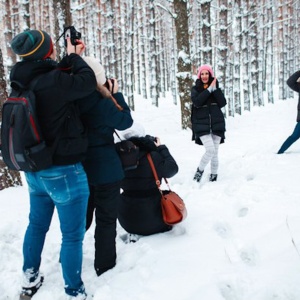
x=32, y=45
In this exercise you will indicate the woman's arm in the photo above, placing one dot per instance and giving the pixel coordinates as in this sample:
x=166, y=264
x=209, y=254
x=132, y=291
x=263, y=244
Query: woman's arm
x=293, y=83
x=199, y=98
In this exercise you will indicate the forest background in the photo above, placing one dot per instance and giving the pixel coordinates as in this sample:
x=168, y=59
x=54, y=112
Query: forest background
x=154, y=48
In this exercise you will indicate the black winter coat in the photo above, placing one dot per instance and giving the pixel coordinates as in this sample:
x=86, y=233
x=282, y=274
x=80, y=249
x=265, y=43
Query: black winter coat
x=55, y=90
x=207, y=116
x=102, y=117
x=295, y=86
x=139, y=209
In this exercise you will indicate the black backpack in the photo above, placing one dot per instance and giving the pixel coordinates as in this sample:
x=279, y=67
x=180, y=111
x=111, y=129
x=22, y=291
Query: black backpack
x=23, y=146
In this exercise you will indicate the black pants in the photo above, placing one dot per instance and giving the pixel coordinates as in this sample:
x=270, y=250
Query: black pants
x=104, y=199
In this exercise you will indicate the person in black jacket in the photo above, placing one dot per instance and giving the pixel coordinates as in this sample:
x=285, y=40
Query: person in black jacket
x=102, y=116
x=294, y=83
x=139, y=210
x=63, y=186
x=208, y=122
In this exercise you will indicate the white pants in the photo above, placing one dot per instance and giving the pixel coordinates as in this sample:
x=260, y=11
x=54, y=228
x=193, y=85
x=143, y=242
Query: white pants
x=211, y=143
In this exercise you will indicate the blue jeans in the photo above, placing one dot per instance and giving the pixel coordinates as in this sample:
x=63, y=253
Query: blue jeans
x=66, y=188
x=291, y=139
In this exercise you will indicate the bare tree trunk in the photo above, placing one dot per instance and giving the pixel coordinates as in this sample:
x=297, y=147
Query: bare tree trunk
x=237, y=57
x=8, y=32
x=62, y=9
x=289, y=34
x=143, y=48
x=206, y=46
x=269, y=69
x=184, y=76
x=229, y=72
x=154, y=93
x=257, y=101
x=246, y=59
x=119, y=44
x=222, y=45
x=129, y=53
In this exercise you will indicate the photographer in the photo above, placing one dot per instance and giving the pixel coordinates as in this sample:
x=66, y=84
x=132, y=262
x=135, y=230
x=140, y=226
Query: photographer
x=63, y=186
x=139, y=210
x=102, y=115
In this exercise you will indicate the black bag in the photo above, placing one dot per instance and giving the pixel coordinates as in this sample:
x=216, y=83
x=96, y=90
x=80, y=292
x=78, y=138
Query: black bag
x=128, y=153
x=23, y=147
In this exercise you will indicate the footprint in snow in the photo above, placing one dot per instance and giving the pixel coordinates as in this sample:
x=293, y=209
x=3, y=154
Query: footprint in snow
x=223, y=230
x=249, y=256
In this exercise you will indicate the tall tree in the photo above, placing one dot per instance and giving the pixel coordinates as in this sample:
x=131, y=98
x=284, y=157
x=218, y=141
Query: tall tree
x=254, y=52
x=246, y=87
x=154, y=92
x=184, y=67
x=206, y=47
x=237, y=56
x=62, y=10
x=222, y=45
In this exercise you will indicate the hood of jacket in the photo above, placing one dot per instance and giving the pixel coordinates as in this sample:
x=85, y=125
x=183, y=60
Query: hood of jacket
x=24, y=71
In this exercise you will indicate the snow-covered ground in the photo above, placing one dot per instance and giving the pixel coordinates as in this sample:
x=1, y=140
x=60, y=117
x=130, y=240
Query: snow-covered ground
x=240, y=240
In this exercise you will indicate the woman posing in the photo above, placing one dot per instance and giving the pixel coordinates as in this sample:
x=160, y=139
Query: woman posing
x=208, y=122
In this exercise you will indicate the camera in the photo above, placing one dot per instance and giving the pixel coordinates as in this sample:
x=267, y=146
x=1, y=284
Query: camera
x=151, y=138
x=73, y=34
x=112, y=82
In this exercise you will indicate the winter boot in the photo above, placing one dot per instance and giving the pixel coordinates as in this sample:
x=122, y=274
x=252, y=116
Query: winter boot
x=198, y=175
x=28, y=292
x=213, y=177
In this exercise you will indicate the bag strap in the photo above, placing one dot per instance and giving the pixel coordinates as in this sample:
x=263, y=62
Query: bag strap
x=157, y=181
x=119, y=107
x=117, y=135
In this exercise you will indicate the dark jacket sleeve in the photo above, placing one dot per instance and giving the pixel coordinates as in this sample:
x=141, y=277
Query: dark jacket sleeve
x=115, y=118
x=80, y=83
x=219, y=97
x=199, y=99
x=167, y=167
x=292, y=82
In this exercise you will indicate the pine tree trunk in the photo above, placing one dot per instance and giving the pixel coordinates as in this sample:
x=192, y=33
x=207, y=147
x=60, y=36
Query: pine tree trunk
x=237, y=58
x=184, y=76
x=206, y=46
x=154, y=93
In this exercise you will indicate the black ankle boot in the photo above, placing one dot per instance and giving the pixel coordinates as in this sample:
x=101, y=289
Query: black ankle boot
x=213, y=177
x=28, y=292
x=198, y=175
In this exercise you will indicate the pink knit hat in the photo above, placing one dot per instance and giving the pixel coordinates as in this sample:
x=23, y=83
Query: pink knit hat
x=207, y=68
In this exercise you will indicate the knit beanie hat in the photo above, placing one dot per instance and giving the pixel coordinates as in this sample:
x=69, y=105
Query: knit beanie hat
x=32, y=45
x=97, y=68
x=207, y=68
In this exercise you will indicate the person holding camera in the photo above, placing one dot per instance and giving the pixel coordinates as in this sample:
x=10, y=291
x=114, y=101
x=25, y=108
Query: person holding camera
x=294, y=83
x=139, y=210
x=103, y=112
x=208, y=122
x=63, y=186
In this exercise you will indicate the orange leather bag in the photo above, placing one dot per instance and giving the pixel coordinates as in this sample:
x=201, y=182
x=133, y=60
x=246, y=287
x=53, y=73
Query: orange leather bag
x=173, y=208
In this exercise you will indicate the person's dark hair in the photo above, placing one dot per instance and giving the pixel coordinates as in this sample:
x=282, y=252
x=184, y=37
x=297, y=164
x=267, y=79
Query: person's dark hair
x=144, y=143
